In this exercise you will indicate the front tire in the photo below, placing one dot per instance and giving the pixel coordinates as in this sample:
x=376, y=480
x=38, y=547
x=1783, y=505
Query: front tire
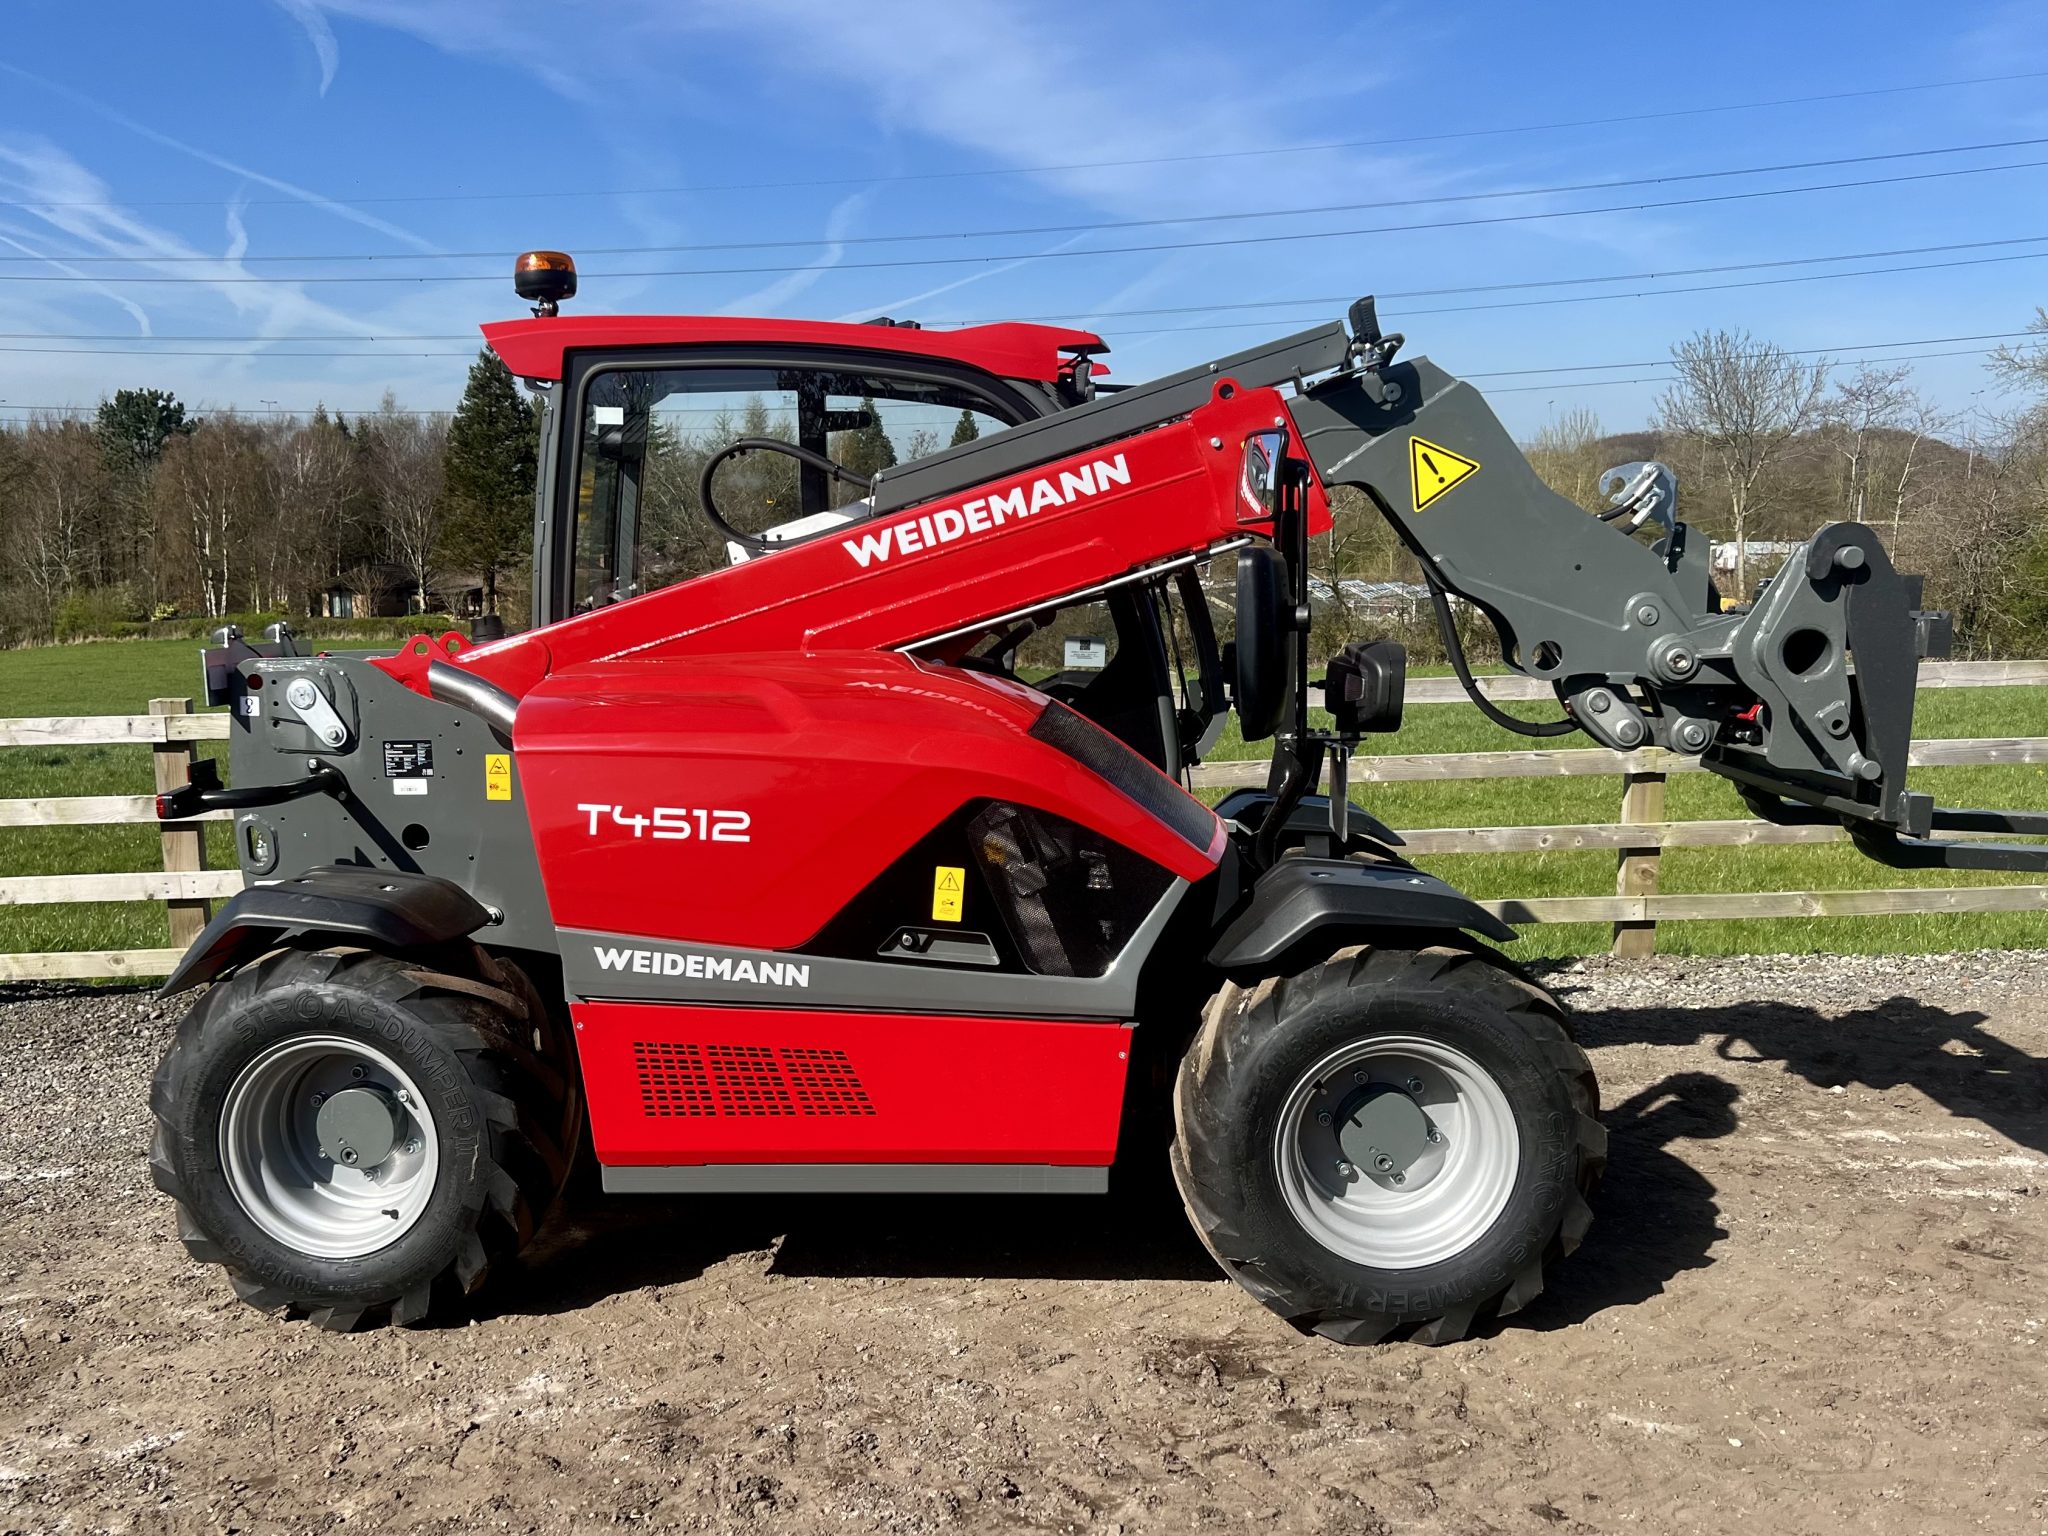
x=358, y=1138
x=1396, y=1143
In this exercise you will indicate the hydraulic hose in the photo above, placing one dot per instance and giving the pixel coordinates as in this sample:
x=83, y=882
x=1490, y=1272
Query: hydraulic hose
x=1455, y=649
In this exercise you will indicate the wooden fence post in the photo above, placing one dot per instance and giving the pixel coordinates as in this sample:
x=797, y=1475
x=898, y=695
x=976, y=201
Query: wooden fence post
x=184, y=842
x=1636, y=869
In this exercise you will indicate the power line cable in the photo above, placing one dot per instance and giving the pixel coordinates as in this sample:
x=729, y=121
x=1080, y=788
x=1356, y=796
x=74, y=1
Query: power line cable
x=1090, y=227
x=1402, y=141
x=1513, y=389
x=1117, y=250
x=1306, y=301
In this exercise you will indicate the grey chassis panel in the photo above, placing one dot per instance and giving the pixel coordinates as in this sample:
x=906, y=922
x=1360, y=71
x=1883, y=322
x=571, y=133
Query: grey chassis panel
x=873, y=986
x=483, y=845
x=859, y=1178
x=1129, y=410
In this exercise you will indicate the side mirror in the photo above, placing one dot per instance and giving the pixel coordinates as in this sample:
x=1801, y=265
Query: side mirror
x=1365, y=685
x=1264, y=649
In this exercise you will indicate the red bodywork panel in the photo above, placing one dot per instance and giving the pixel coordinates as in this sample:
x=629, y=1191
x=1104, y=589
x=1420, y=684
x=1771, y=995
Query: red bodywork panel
x=836, y=763
x=673, y=1085
x=732, y=760
x=534, y=349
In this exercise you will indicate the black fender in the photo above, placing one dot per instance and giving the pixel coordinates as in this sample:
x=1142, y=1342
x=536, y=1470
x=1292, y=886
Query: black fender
x=1247, y=807
x=1335, y=899
x=383, y=909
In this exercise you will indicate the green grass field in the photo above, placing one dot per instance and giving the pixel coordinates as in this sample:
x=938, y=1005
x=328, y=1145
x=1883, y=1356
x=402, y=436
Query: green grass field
x=120, y=678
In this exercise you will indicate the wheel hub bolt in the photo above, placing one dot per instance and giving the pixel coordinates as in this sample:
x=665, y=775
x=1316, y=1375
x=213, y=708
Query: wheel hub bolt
x=1384, y=1163
x=319, y=1099
x=1434, y=1134
x=413, y=1145
x=1323, y=1118
x=1345, y=1170
x=358, y=1071
x=349, y=1154
x=1415, y=1085
x=1400, y=1178
x=1360, y=1077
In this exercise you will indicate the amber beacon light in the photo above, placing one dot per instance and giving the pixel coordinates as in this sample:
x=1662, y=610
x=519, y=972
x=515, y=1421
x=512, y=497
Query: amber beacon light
x=544, y=279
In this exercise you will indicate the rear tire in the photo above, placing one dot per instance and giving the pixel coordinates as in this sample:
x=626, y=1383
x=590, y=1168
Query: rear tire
x=483, y=1117
x=1502, y=1143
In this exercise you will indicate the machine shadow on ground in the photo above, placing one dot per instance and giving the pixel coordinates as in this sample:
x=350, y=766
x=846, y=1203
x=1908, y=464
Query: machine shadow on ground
x=1658, y=1216
x=1661, y=1220
x=1951, y=1057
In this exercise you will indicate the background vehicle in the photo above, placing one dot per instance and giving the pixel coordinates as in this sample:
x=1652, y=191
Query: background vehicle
x=759, y=849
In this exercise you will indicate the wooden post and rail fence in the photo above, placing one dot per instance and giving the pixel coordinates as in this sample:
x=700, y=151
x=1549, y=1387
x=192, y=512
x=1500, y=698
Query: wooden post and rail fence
x=187, y=887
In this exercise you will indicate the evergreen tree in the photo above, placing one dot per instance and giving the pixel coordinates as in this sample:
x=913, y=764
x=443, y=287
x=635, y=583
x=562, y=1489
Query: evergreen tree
x=492, y=456
x=136, y=423
x=869, y=451
x=964, y=430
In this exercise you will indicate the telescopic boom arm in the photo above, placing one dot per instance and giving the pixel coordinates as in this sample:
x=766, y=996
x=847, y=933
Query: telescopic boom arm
x=1803, y=697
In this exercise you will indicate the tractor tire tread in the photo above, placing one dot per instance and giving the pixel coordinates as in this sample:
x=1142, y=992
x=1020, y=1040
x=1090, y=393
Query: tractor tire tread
x=1236, y=1015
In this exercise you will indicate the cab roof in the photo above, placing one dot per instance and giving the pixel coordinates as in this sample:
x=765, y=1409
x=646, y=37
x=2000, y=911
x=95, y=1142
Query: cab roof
x=534, y=349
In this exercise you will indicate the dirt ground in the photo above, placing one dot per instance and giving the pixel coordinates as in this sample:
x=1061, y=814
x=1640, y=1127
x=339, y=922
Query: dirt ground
x=1814, y=1301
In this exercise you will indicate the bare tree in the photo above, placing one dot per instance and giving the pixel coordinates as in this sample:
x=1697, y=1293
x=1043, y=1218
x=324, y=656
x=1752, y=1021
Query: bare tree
x=1744, y=401
x=209, y=490
x=1567, y=456
x=310, y=479
x=63, y=489
x=2025, y=365
x=402, y=468
x=1873, y=401
x=1986, y=520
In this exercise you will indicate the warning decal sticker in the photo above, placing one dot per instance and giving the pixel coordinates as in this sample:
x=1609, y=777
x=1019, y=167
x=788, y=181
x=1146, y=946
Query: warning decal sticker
x=1436, y=470
x=497, y=775
x=948, y=890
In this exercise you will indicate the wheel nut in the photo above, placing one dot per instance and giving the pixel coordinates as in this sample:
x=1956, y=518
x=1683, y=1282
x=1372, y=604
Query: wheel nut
x=1323, y=1118
x=413, y=1145
x=1400, y=1178
x=1345, y=1170
x=349, y=1155
x=358, y=1070
x=1383, y=1163
x=1360, y=1077
x=1435, y=1135
x=1415, y=1085
x=319, y=1099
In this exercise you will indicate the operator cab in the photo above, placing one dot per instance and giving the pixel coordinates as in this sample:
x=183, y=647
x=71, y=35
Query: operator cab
x=675, y=447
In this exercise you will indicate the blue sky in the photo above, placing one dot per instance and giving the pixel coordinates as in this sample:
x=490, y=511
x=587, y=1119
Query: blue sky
x=205, y=139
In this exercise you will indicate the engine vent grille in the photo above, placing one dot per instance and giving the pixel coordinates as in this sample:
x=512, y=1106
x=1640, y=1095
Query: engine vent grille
x=749, y=1080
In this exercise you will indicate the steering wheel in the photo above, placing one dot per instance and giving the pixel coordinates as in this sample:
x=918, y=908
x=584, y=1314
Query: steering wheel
x=745, y=445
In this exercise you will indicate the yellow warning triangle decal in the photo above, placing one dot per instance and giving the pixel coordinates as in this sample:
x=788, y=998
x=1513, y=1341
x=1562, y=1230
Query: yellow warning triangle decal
x=1436, y=469
x=949, y=880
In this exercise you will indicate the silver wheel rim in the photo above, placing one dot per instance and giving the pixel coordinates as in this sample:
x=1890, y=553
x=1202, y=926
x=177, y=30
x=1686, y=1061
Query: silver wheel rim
x=277, y=1170
x=1434, y=1206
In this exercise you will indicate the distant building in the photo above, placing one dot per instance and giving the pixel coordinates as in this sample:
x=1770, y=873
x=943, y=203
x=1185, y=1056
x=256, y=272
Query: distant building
x=1757, y=550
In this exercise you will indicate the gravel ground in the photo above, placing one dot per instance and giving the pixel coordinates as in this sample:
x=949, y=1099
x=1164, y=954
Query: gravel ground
x=1813, y=1302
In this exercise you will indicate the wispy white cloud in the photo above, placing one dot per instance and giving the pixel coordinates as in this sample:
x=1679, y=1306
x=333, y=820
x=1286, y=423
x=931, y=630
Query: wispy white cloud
x=91, y=284
x=64, y=196
x=883, y=306
x=305, y=195
x=319, y=33
x=765, y=300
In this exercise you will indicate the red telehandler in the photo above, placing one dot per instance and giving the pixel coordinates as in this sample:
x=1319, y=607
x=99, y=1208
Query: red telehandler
x=826, y=831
